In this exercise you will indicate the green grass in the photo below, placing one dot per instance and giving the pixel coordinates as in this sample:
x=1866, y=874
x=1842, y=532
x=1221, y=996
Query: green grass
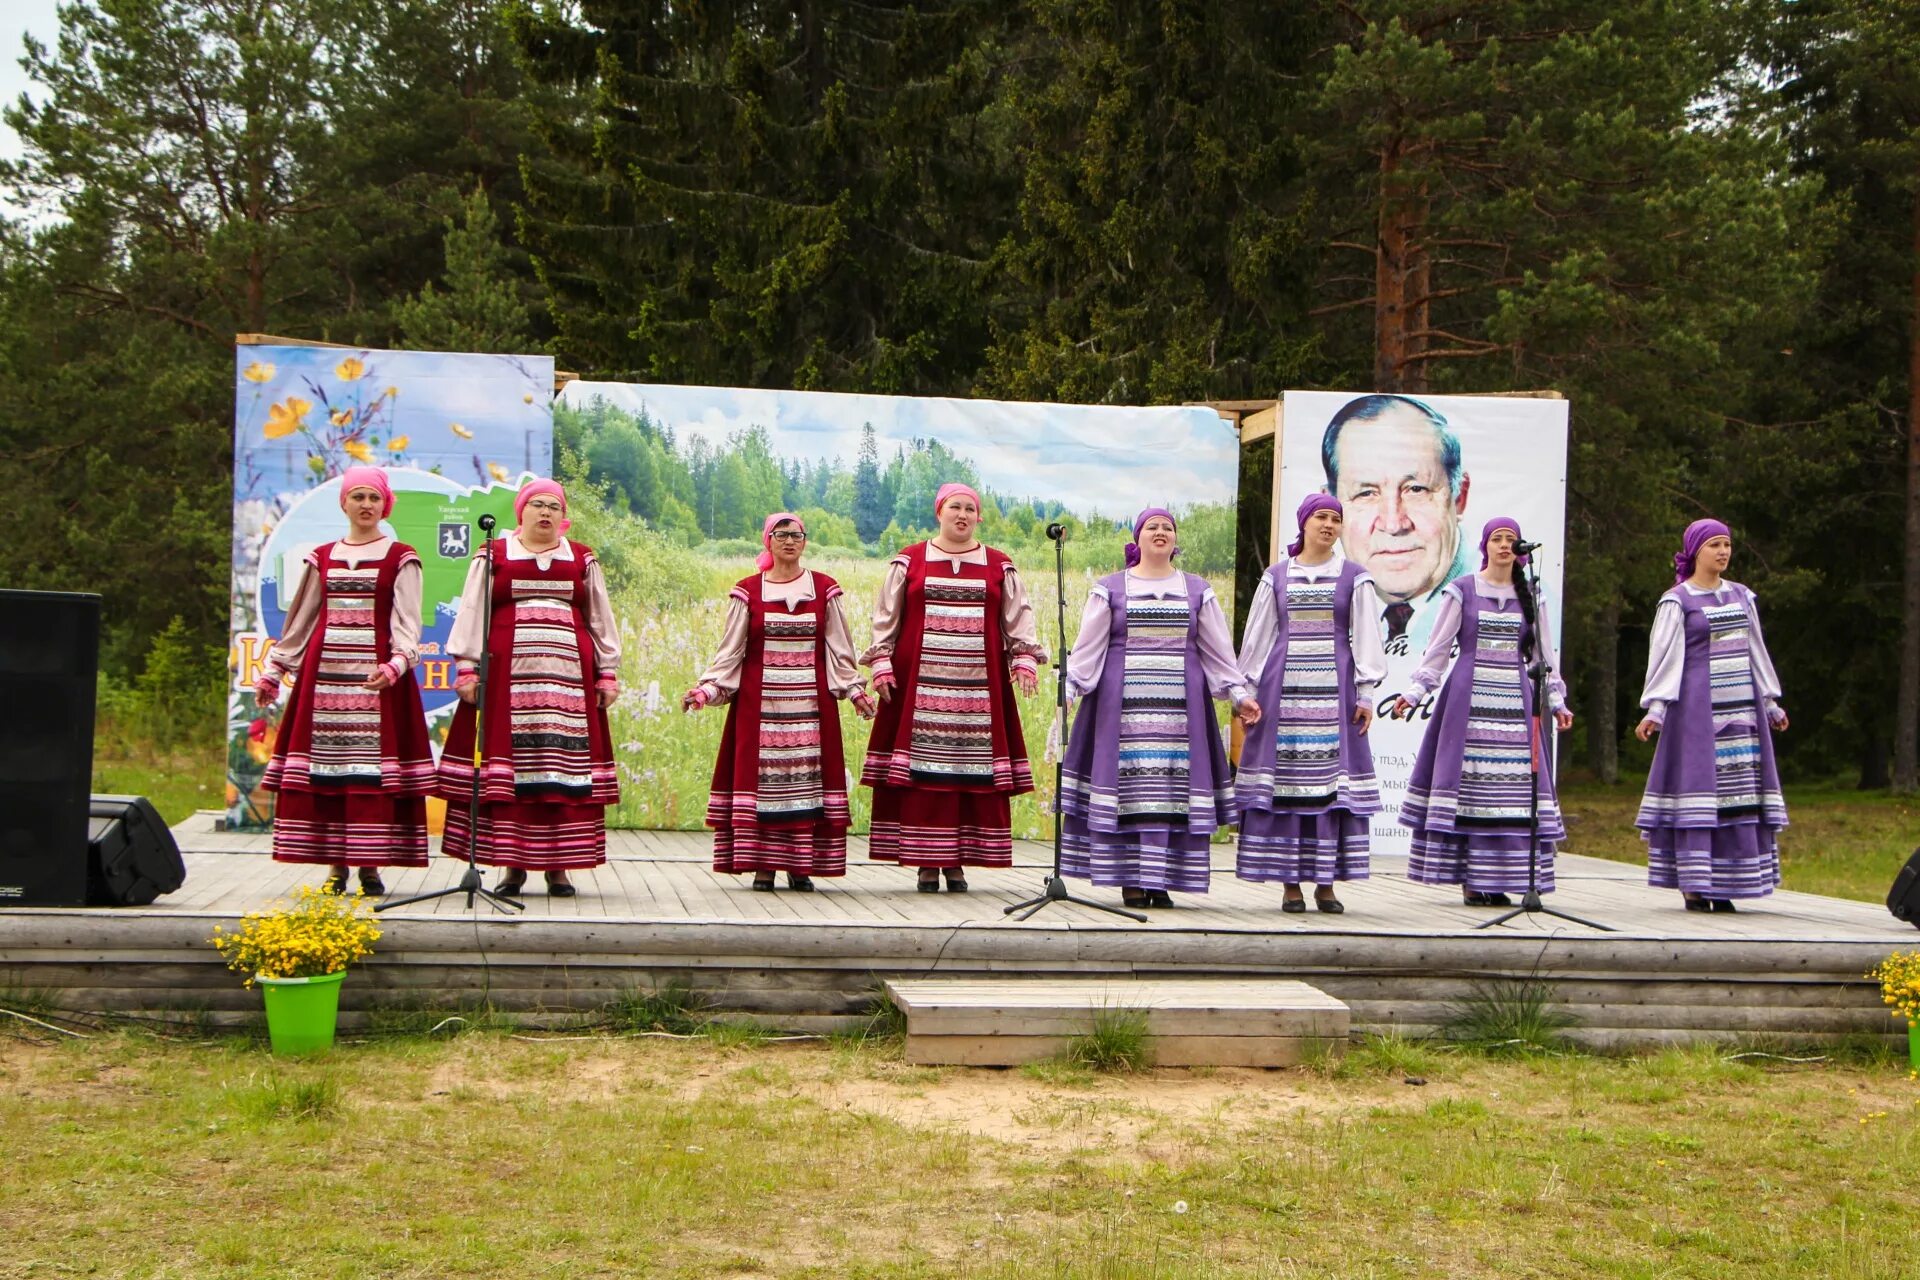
x=1840, y=842
x=1509, y=1016
x=177, y=781
x=1119, y=1042
x=488, y=1155
x=673, y=1007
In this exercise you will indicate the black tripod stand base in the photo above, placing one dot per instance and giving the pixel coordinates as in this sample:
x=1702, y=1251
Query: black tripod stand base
x=1530, y=905
x=469, y=885
x=1056, y=891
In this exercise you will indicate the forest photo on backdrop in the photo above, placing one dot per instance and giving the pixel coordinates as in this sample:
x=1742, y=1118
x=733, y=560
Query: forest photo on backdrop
x=679, y=479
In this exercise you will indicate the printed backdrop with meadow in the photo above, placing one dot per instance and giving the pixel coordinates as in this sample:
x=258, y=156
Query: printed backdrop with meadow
x=671, y=484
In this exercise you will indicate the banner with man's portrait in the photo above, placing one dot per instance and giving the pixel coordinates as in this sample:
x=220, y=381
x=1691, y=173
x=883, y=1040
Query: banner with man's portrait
x=1418, y=477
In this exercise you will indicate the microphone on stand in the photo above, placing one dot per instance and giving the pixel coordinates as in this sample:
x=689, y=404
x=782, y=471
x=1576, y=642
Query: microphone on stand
x=1057, y=531
x=1525, y=548
x=487, y=522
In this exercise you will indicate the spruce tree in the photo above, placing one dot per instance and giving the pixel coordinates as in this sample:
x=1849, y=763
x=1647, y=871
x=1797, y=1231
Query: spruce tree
x=768, y=195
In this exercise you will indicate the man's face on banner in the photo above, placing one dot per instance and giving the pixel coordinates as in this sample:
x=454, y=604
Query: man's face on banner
x=1402, y=517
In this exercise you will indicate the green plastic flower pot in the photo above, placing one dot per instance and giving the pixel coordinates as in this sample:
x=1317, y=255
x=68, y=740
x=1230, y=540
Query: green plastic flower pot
x=1913, y=1044
x=301, y=1012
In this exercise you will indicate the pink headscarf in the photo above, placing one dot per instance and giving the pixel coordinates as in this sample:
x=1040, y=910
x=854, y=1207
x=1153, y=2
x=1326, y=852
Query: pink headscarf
x=1698, y=534
x=954, y=490
x=533, y=489
x=765, y=562
x=367, y=478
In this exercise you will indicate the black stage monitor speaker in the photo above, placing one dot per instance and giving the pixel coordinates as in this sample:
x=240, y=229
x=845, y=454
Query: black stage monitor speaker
x=49, y=656
x=131, y=856
x=1904, y=898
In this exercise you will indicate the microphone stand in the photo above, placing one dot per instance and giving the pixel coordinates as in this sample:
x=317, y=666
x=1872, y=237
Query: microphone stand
x=1539, y=667
x=470, y=878
x=1055, y=887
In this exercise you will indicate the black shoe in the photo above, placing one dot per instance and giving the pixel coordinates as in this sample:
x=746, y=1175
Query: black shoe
x=1159, y=898
x=1133, y=897
x=763, y=886
x=956, y=884
x=371, y=884
x=929, y=886
x=1497, y=899
x=335, y=883
x=1473, y=898
x=1332, y=906
x=1698, y=904
x=560, y=888
x=512, y=885
x=1294, y=906
x=1721, y=904
x=799, y=884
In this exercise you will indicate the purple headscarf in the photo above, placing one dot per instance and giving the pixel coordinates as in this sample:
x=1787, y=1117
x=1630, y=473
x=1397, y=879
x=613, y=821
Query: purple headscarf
x=1696, y=537
x=1494, y=526
x=1314, y=502
x=1139, y=523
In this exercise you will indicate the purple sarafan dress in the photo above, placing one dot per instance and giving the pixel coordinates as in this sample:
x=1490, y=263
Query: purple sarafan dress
x=1306, y=785
x=1470, y=793
x=1145, y=781
x=1713, y=809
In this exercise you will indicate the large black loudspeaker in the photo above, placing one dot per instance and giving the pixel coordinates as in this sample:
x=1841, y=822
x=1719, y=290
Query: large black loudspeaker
x=131, y=856
x=49, y=655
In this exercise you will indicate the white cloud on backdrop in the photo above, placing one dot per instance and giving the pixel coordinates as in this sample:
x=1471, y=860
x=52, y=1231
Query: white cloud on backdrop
x=1113, y=459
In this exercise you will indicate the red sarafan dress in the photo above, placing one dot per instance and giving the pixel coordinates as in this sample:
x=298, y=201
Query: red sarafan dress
x=352, y=765
x=779, y=798
x=947, y=753
x=547, y=774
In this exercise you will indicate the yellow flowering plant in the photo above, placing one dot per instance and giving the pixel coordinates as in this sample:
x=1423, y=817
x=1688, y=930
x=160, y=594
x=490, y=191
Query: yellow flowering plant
x=1899, y=978
x=320, y=933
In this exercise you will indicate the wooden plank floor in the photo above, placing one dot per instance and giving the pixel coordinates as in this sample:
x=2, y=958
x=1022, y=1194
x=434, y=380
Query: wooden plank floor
x=1402, y=955
x=666, y=876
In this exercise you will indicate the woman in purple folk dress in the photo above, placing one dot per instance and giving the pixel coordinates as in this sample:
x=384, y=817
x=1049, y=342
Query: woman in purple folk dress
x=1712, y=813
x=1469, y=799
x=1145, y=782
x=1313, y=653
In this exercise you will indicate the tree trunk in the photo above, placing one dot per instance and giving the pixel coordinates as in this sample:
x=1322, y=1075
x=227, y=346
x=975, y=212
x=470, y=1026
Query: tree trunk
x=1906, y=727
x=1603, y=695
x=1400, y=278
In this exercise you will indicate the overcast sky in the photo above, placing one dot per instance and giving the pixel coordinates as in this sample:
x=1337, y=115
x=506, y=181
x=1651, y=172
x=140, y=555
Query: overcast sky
x=21, y=17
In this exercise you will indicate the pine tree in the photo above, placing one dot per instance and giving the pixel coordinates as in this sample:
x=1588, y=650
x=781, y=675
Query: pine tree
x=1161, y=254
x=871, y=509
x=480, y=309
x=769, y=195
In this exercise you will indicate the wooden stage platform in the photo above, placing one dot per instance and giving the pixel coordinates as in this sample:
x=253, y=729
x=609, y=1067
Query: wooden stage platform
x=1789, y=968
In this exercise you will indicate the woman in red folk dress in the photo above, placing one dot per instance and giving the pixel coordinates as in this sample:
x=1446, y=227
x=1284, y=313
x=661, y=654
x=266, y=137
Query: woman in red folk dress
x=779, y=798
x=546, y=773
x=953, y=636
x=352, y=763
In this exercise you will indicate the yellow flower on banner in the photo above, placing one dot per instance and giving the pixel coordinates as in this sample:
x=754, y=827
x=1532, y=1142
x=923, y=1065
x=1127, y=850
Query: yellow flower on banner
x=350, y=370
x=460, y=431
x=257, y=372
x=357, y=451
x=497, y=471
x=340, y=417
x=399, y=444
x=285, y=419
x=527, y=399
x=392, y=392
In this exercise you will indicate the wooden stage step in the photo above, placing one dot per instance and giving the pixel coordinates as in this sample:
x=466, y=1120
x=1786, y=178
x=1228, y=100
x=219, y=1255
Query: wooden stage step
x=1192, y=1022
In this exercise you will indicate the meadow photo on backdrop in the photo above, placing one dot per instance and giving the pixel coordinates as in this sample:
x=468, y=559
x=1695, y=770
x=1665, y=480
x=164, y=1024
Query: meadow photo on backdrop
x=680, y=479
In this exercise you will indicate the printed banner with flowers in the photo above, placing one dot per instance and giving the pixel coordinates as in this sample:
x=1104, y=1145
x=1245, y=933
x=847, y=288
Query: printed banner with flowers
x=459, y=434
